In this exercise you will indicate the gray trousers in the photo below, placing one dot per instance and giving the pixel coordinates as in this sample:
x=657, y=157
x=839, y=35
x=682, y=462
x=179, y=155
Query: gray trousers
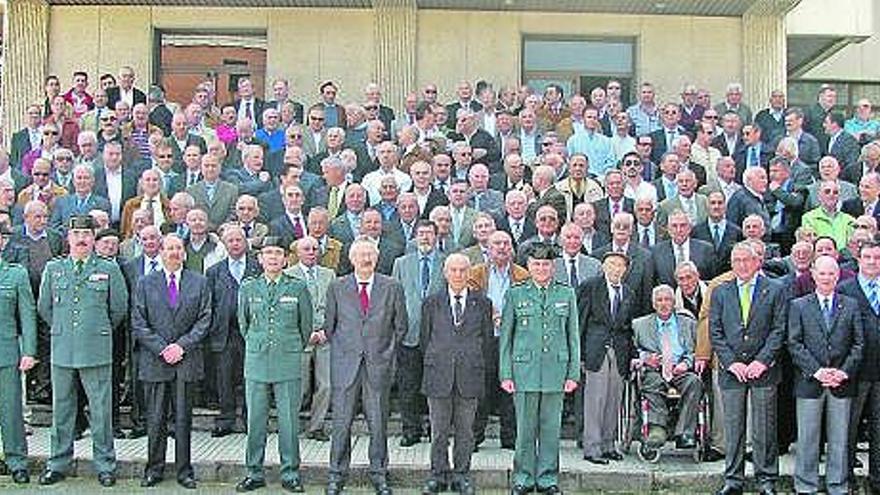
x=97, y=382
x=454, y=413
x=717, y=417
x=376, y=408
x=688, y=384
x=320, y=392
x=867, y=401
x=764, y=446
x=602, y=395
x=809, y=431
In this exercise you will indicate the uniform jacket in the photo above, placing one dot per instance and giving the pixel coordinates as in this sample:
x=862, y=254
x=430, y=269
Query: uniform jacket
x=18, y=315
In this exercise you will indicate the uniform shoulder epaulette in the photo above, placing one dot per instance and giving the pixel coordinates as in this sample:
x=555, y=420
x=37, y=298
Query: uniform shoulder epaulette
x=520, y=283
x=249, y=280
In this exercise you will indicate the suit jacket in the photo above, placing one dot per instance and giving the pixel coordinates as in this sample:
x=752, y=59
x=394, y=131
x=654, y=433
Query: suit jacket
x=812, y=345
x=435, y=198
x=453, y=108
x=297, y=108
x=491, y=202
x=553, y=198
x=114, y=95
x=809, y=150
x=283, y=228
x=317, y=290
x=483, y=140
x=765, y=329
x=856, y=208
x=309, y=146
x=65, y=207
x=224, y=302
x=603, y=215
x=370, y=339
x=700, y=252
x=599, y=330
x=639, y=275
x=407, y=271
x=587, y=268
x=845, y=148
x=129, y=185
x=502, y=222
x=454, y=355
x=732, y=234
x=191, y=139
x=741, y=157
x=258, y=106
x=646, y=337
x=659, y=140
x=222, y=208
x=271, y=205
x=868, y=371
x=21, y=145
x=743, y=203
x=156, y=324
x=721, y=143
x=668, y=205
x=466, y=231
x=129, y=208
x=247, y=183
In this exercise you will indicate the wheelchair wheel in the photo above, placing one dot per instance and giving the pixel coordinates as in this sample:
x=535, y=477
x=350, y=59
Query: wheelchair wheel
x=648, y=453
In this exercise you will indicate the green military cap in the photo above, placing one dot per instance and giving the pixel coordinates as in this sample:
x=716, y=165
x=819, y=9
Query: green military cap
x=612, y=254
x=107, y=233
x=273, y=241
x=80, y=222
x=544, y=251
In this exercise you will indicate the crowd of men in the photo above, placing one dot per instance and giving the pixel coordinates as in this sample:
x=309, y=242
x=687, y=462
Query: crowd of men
x=512, y=253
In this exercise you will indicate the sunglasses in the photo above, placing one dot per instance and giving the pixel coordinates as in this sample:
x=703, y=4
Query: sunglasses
x=430, y=91
x=631, y=163
x=64, y=159
x=316, y=118
x=50, y=133
x=713, y=117
x=166, y=156
x=40, y=174
x=294, y=136
x=371, y=108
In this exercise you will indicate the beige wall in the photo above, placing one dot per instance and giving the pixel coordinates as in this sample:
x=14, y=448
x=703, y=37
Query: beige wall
x=859, y=62
x=310, y=45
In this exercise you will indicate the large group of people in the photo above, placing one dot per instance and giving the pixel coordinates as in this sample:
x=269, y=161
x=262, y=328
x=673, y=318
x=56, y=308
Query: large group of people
x=515, y=253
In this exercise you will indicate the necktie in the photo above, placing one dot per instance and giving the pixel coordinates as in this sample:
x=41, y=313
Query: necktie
x=666, y=344
x=646, y=238
x=615, y=208
x=873, y=297
x=679, y=254
x=247, y=111
x=310, y=273
x=516, y=230
x=78, y=267
x=365, y=298
x=426, y=275
x=247, y=230
x=237, y=270
x=745, y=301
x=272, y=286
x=192, y=178
x=153, y=265
x=457, y=310
x=753, y=157
x=477, y=198
x=172, y=290
x=716, y=235
x=670, y=137
x=210, y=192
x=572, y=272
x=615, y=301
x=827, y=313
x=332, y=202
x=297, y=227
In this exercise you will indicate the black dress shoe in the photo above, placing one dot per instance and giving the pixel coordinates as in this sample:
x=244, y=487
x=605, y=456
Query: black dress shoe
x=106, y=479
x=136, y=432
x=463, y=487
x=857, y=463
x=508, y=446
x=596, y=460
x=189, y=483
x=249, y=484
x=334, y=488
x=293, y=486
x=51, y=477
x=729, y=490
x=768, y=491
x=21, y=476
x=613, y=456
x=118, y=433
x=170, y=433
x=218, y=432
x=150, y=480
x=318, y=435
x=712, y=455
x=685, y=442
x=409, y=440
x=520, y=490
x=551, y=490
x=433, y=486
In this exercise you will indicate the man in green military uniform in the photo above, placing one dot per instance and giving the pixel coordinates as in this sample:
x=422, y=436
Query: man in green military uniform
x=84, y=299
x=275, y=319
x=18, y=334
x=539, y=359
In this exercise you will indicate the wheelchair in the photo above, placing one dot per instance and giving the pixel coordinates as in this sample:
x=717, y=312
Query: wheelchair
x=634, y=426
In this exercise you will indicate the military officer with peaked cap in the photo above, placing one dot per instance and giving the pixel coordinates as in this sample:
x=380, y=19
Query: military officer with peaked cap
x=275, y=319
x=84, y=299
x=539, y=361
x=18, y=334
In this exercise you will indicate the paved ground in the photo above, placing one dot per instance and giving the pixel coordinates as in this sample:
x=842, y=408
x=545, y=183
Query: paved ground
x=219, y=465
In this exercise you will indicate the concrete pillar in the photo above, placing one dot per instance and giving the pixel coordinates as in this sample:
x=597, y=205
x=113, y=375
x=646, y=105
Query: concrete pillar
x=25, y=60
x=395, y=24
x=764, y=49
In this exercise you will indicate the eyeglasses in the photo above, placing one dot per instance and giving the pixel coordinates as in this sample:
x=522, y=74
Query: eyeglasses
x=50, y=133
x=294, y=136
x=613, y=87
x=371, y=108
x=631, y=163
x=312, y=117
x=547, y=144
x=64, y=159
x=40, y=174
x=431, y=91
x=713, y=117
x=165, y=156
x=645, y=144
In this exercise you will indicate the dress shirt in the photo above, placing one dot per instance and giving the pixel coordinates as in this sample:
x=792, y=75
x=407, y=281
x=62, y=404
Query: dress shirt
x=597, y=147
x=148, y=265
x=683, y=249
x=243, y=111
x=463, y=294
x=652, y=235
x=35, y=137
x=369, y=282
x=528, y=148
x=670, y=188
x=671, y=328
x=177, y=273
x=114, y=191
x=158, y=213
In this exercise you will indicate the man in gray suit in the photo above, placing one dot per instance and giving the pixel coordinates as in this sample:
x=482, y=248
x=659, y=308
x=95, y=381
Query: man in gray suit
x=81, y=201
x=481, y=197
x=573, y=267
x=170, y=318
x=365, y=319
x=419, y=274
x=665, y=343
x=317, y=279
x=825, y=340
x=217, y=197
x=462, y=214
x=747, y=329
x=456, y=325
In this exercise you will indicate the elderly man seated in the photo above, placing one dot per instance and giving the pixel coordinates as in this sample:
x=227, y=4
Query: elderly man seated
x=665, y=342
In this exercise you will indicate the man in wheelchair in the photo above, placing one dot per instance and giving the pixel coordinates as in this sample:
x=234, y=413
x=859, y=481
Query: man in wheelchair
x=665, y=343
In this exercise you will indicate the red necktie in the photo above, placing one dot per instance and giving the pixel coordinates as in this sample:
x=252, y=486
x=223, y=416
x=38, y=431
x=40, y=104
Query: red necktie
x=365, y=298
x=297, y=227
x=616, y=208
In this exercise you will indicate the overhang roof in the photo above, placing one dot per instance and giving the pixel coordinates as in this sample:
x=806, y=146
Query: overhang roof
x=714, y=8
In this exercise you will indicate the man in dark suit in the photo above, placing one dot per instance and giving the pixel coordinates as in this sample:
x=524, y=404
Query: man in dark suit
x=865, y=290
x=217, y=197
x=224, y=341
x=456, y=325
x=680, y=247
x=514, y=220
x=465, y=100
x=825, y=340
x=605, y=304
x=868, y=202
x=483, y=145
x=751, y=198
x=809, y=150
x=27, y=138
x=730, y=141
x=747, y=330
x=664, y=137
x=840, y=144
x=125, y=91
x=640, y=273
x=124, y=175
x=718, y=231
x=543, y=182
x=613, y=203
x=247, y=105
x=170, y=318
x=291, y=225
x=363, y=303
x=755, y=152
x=281, y=92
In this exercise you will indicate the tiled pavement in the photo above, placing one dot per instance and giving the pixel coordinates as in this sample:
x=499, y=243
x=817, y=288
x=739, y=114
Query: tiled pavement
x=220, y=460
